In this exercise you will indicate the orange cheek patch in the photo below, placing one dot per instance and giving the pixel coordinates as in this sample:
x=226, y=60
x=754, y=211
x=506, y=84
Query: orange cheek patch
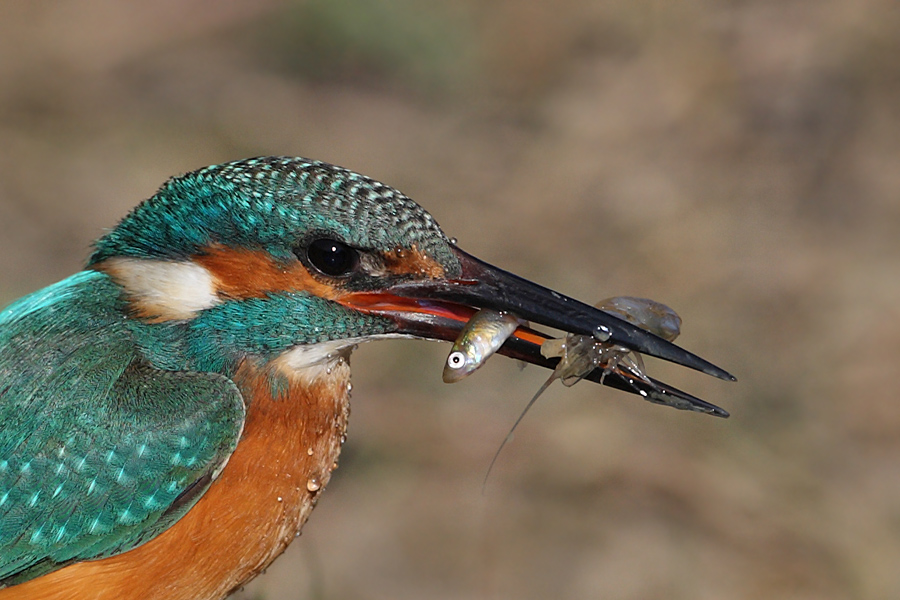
x=402, y=261
x=242, y=273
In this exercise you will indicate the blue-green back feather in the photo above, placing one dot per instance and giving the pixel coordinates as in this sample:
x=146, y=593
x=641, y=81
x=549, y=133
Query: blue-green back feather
x=99, y=450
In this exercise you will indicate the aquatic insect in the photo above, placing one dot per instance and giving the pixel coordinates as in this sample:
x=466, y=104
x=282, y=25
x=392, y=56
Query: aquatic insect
x=581, y=354
x=479, y=340
x=655, y=317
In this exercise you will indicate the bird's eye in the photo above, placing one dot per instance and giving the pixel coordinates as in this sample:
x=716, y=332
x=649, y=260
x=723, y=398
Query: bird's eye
x=332, y=258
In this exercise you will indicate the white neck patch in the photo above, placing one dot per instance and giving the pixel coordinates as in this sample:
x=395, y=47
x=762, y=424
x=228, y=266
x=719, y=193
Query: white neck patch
x=311, y=361
x=162, y=289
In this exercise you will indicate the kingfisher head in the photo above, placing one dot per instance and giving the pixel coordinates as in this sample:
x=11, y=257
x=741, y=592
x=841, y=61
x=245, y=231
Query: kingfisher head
x=294, y=259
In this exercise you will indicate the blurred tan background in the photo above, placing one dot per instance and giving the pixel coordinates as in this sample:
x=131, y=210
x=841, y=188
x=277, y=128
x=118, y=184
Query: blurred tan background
x=739, y=161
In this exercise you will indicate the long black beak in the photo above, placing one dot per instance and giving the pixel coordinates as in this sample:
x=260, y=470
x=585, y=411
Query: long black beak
x=486, y=286
x=439, y=308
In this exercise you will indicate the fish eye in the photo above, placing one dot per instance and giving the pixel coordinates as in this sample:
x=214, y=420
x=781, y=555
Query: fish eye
x=331, y=257
x=456, y=360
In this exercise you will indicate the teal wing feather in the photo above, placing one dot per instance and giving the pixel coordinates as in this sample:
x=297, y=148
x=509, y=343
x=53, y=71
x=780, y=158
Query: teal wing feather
x=99, y=451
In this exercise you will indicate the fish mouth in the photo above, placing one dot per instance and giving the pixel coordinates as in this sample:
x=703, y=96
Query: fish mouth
x=438, y=309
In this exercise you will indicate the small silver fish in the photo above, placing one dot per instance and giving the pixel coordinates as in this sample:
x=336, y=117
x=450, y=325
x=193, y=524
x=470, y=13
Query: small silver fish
x=480, y=338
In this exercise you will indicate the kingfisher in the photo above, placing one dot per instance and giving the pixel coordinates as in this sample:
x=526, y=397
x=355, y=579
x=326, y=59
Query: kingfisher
x=170, y=415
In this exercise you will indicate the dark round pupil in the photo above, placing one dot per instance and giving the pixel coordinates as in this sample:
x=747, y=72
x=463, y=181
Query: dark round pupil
x=332, y=257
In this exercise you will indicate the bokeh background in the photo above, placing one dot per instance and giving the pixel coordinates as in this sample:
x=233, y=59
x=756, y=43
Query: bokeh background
x=739, y=161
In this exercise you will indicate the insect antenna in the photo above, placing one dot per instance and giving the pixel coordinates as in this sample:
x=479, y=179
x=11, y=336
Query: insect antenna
x=512, y=429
